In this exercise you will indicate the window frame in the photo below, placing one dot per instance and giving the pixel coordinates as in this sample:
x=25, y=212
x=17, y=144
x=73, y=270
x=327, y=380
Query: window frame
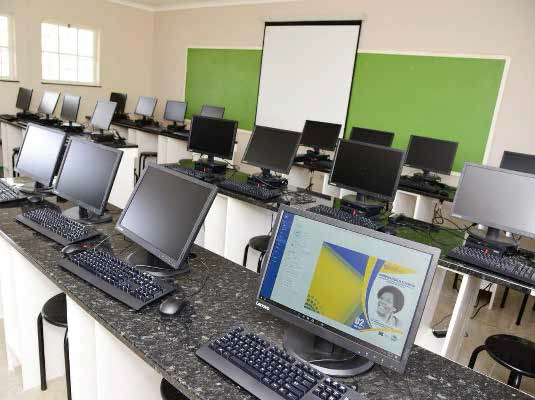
x=96, y=55
x=11, y=50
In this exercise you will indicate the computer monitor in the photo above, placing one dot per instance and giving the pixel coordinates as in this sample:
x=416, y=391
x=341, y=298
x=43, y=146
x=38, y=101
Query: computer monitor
x=353, y=297
x=370, y=170
x=372, y=136
x=145, y=106
x=163, y=216
x=175, y=111
x=518, y=162
x=212, y=111
x=271, y=149
x=39, y=156
x=48, y=103
x=500, y=199
x=24, y=98
x=86, y=177
x=69, y=109
x=431, y=155
x=103, y=115
x=120, y=99
x=320, y=135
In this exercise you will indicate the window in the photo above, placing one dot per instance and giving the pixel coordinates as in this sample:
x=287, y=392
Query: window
x=69, y=55
x=7, y=53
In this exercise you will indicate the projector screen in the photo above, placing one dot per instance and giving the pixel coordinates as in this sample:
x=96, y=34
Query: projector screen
x=307, y=73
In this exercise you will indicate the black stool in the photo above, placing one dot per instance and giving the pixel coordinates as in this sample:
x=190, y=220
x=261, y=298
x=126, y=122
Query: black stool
x=258, y=243
x=522, y=306
x=16, y=151
x=54, y=312
x=514, y=353
x=143, y=158
x=168, y=392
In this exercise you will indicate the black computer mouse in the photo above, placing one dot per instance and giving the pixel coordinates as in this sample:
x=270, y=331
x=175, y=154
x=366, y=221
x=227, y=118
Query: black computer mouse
x=35, y=199
x=173, y=306
x=73, y=249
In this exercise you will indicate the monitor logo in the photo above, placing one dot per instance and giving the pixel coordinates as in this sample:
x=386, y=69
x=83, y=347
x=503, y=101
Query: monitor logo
x=262, y=305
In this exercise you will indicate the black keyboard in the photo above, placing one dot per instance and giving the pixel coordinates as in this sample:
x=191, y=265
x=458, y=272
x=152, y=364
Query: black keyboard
x=55, y=226
x=8, y=117
x=9, y=194
x=116, y=278
x=422, y=186
x=268, y=372
x=189, y=171
x=344, y=216
x=260, y=193
x=511, y=266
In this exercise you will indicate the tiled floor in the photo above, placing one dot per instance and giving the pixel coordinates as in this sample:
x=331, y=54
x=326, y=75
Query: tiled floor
x=486, y=323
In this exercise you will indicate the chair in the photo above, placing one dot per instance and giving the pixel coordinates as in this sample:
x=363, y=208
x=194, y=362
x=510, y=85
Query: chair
x=260, y=244
x=168, y=392
x=16, y=151
x=142, y=160
x=514, y=353
x=54, y=312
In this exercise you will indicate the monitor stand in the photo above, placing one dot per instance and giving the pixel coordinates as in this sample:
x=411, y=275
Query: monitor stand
x=72, y=127
x=144, y=121
x=35, y=191
x=493, y=241
x=147, y=262
x=85, y=216
x=211, y=166
x=363, y=204
x=327, y=357
x=427, y=176
x=174, y=127
x=266, y=179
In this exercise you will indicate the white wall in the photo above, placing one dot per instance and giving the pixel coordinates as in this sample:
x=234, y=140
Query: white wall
x=126, y=49
x=496, y=27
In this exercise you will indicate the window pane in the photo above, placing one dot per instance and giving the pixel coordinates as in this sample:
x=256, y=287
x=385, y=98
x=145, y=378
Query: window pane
x=86, y=43
x=49, y=37
x=86, y=70
x=50, y=66
x=67, y=40
x=4, y=62
x=67, y=68
x=4, y=35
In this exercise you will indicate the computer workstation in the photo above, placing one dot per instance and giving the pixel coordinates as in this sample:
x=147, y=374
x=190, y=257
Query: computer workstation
x=145, y=108
x=120, y=100
x=24, y=99
x=69, y=114
x=372, y=136
x=47, y=106
x=175, y=112
x=101, y=121
x=319, y=136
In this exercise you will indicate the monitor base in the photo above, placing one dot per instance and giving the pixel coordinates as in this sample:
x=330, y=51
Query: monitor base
x=327, y=357
x=211, y=166
x=147, y=262
x=364, y=204
x=86, y=217
x=35, y=189
x=492, y=241
x=176, y=127
x=426, y=176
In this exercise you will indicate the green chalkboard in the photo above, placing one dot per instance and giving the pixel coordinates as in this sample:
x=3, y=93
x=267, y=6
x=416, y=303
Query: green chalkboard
x=224, y=77
x=450, y=98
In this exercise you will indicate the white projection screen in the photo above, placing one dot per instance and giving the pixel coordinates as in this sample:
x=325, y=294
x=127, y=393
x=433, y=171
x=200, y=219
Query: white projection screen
x=307, y=73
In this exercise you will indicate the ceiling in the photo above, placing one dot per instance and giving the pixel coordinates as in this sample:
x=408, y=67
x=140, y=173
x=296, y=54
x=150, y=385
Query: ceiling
x=164, y=5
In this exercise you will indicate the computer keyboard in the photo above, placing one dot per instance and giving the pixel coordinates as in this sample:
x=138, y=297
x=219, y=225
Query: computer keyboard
x=189, y=171
x=8, y=117
x=344, y=216
x=260, y=193
x=116, y=278
x=56, y=227
x=268, y=372
x=8, y=193
x=511, y=266
x=422, y=186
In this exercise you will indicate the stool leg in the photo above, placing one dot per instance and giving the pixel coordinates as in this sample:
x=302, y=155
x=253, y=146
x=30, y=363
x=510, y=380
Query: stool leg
x=13, y=164
x=504, y=297
x=514, y=379
x=139, y=166
x=455, y=281
x=522, y=308
x=67, y=363
x=245, y=255
x=259, y=266
x=473, y=358
x=41, y=343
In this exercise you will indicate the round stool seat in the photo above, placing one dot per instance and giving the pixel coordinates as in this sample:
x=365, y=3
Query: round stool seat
x=55, y=310
x=169, y=392
x=512, y=352
x=260, y=243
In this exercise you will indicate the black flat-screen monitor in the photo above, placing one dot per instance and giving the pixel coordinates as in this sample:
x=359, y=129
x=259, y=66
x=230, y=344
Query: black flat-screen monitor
x=518, y=162
x=145, y=106
x=39, y=153
x=367, y=169
x=87, y=173
x=372, y=136
x=24, y=98
x=320, y=135
x=69, y=109
x=120, y=99
x=431, y=155
x=212, y=136
x=48, y=103
x=175, y=111
x=165, y=212
x=103, y=115
x=212, y=111
x=272, y=149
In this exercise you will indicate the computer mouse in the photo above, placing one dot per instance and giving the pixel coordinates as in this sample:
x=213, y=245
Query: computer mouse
x=173, y=306
x=35, y=199
x=73, y=249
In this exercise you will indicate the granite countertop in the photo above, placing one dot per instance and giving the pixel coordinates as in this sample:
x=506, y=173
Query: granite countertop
x=168, y=344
